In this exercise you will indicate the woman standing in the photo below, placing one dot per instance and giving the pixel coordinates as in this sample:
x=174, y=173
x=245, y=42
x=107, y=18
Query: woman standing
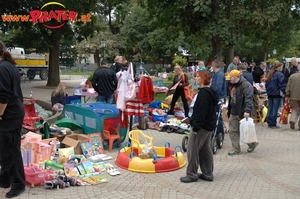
x=59, y=94
x=203, y=122
x=11, y=119
x=182, y=80
x=275, y=86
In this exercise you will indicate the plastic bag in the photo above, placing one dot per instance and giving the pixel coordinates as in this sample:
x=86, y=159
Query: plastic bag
x=285, y=113
x=148, y=151
x=131, y=85
x=247, y=131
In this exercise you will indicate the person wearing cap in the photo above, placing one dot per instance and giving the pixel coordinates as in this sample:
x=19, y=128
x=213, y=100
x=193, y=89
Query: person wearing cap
x=240, y=106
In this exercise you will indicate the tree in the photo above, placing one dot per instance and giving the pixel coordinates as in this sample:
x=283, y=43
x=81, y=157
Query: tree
x=224, y=22
x=52, y=37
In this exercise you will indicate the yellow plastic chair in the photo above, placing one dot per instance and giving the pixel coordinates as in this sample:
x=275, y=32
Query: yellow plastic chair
x=135, y=135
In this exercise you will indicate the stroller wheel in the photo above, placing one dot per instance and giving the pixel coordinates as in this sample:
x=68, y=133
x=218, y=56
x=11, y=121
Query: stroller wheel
x=185, y=143
x=214, y=145
x=220, y=140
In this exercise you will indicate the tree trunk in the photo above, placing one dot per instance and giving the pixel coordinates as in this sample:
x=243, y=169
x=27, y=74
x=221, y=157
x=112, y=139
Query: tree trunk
x=53, y=69
x=97, y=58
x=217, y=48
x=229, y=55
x=216, y=40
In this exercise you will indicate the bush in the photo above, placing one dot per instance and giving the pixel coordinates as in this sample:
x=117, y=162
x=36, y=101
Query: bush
x=171, y=76
x=181, y=61
x=75, y=69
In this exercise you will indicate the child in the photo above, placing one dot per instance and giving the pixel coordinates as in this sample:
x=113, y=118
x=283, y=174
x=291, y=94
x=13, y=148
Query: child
x=59, y=94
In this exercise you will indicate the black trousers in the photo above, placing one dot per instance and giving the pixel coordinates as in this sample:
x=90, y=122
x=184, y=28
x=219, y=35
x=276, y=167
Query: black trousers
x=179, y=92
x=12, y=169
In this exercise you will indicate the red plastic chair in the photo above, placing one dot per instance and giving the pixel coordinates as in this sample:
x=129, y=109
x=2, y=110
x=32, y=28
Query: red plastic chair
x=111, y=137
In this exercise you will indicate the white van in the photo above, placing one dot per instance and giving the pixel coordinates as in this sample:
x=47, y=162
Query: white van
x=16, y=52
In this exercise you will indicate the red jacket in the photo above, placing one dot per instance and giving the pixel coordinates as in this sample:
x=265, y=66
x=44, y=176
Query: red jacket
x=146, y=92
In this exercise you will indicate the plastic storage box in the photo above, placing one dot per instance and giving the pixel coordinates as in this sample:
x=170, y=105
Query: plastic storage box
x=35, y=176
x=91, y=116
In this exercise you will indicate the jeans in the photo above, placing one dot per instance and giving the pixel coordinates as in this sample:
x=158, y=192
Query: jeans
x=273, y=106
x=105, y=98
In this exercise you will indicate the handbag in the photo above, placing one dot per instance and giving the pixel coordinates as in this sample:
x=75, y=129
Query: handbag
x=131, y=85
x=187, y=91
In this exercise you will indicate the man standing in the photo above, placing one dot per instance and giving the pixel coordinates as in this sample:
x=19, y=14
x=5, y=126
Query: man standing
x=292, y=92
x=11, y=119
x=240, y=106
x=105, y=83
x=218, y=83
x=234, y=63
x=246, y=74
x=292, y=69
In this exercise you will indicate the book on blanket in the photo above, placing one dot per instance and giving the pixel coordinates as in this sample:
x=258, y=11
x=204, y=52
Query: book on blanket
x=91, y=148
x=70, y=170
x=88, y=167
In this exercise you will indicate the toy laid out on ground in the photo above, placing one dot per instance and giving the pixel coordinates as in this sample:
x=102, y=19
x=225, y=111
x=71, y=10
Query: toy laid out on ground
x=147, y=158
x=81, y=162
x=217, y=137
x=95, y=117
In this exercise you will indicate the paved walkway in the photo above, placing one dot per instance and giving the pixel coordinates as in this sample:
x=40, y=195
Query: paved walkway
x=271, y=171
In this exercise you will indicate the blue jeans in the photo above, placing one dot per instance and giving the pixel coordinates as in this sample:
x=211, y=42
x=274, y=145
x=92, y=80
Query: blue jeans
x=105, y=98
x=273, y=106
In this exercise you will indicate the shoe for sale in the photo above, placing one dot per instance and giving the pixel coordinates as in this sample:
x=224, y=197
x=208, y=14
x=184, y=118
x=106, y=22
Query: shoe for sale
x=14, y=193
x=55, y=184
x=292, y=125
x=250, y=150
x=232, y=153
x=69, y=180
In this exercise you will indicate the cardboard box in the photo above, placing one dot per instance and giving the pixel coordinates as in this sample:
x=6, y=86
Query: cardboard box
x=75, y=140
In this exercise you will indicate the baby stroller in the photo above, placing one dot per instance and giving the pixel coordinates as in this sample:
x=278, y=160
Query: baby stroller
x=217, y=137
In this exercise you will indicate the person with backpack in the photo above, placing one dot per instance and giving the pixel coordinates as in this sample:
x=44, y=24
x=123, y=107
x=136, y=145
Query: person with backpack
x=275, y=86
x=240, y=106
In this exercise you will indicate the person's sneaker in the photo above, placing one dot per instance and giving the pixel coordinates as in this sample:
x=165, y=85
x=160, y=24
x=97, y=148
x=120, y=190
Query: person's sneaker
x=232, y=153
x=292, y=125
x=187, y=179
x=202, y=177
x=250, y=150
x=275, y=127
x=14, y=193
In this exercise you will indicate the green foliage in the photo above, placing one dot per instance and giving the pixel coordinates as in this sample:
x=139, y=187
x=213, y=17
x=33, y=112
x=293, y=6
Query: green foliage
x=75, y=69
x=171, y=76
x=181, y=61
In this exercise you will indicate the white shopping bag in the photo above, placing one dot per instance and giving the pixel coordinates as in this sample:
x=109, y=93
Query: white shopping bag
x=247, y=131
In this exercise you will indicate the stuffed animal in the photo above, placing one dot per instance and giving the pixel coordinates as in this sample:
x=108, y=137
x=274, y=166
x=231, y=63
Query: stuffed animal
x=168, y=100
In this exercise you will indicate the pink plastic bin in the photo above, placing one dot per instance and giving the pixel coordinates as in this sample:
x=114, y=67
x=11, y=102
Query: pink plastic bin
x=35, y=176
